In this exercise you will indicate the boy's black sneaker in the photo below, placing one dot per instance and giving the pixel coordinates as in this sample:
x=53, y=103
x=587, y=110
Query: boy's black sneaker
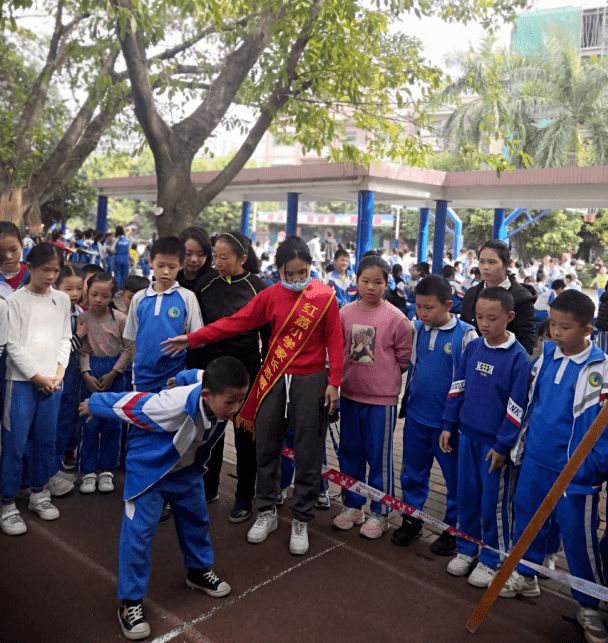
x=69, y=460
x=132, y=620
x=445, y=545
x=207, y=581
x=407, y=533
x=241, y=511
x=165, y=514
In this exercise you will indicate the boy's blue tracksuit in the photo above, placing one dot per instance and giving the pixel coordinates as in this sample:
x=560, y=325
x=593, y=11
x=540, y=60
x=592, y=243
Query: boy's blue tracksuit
x=120, y=263
x=167, y=427
x=344, y=287
x=565, y=398
x=486, y=405
x=436, y=353
x=154, y=317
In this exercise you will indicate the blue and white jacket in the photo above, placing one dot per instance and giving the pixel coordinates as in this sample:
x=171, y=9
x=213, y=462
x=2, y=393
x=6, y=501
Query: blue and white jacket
x=589, y=397
x=346, y=289
x=163, y=426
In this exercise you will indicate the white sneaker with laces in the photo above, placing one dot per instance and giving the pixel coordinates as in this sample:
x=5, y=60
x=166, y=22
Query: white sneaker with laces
x=549, y=563
x=104, y=482
x=460, y=565
x=374, y=526
x=593, y=625
x=518, y=584
x=298, y=543
x=265, y=523
x=59, y=486
x=323, y=501
x=89, y=483
x=11, y=521
x=40, y=503
x=482, y=576
x=349, y=517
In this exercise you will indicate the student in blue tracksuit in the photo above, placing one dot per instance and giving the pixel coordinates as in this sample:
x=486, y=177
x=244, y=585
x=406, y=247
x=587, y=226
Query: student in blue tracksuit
x=120, y=251
x=342, y=278
x=485, y=406
x=569, y=387
x=438, y=342
x=162, y=310
x=167, y=429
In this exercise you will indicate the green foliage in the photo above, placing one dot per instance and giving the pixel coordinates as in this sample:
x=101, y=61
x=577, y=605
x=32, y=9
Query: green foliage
x=599, y=228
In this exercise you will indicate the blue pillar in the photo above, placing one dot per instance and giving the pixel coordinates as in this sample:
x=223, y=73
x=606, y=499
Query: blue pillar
x=499, y=229
x=458, y=239
x=292, y=213
x=423, y=234
x=102, y=213
x=365, y=221
x=245, y=218
x=441, y=213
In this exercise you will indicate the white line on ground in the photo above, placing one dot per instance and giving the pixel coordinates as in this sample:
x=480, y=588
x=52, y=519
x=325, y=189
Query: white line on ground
x=203, y=617
x=191, y=634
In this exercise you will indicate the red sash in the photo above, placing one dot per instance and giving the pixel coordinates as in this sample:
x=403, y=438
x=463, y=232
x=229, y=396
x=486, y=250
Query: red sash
x=290, y=339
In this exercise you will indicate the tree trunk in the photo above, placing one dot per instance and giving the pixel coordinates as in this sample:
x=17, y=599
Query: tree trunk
x=177, y=196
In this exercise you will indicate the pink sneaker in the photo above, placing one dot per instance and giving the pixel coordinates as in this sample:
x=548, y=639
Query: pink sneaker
x=349, y=518
x=375, y=526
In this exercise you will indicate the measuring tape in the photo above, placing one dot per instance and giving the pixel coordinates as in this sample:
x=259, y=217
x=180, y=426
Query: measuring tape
x=352, y=484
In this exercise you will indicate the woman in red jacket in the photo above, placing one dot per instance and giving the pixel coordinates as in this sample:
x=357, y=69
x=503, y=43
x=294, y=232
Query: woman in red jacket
x=292, y=388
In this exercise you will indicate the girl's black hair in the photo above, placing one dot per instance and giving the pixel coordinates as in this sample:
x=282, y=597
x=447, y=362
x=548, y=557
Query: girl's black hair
x=397, y=271
x=9, y=229
x=500, y=248
x=424, y=268
x=373, y=261
x=293, y=247
x=120, y=231
x=69, y=270
x=104, y=278
x=448, y=272
x=202, y=238
x=43, y=253
x=241, y=245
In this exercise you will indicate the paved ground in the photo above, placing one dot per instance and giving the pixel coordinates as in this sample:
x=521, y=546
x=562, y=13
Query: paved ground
x=58, y=583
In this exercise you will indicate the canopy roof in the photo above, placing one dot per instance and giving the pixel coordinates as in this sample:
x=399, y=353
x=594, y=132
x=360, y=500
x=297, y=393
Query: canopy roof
x=556, y=188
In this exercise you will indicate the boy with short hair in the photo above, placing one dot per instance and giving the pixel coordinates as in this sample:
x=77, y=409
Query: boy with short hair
x=164, y=309
x=168, y=428
x=569, y=386
x=543, y=301
x=485, y=408
x=437, y=345
x=132, y=285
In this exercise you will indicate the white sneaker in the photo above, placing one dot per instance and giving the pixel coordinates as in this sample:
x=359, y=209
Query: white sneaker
x=460, y=565
x=89, y=483
x=104, y=482
x=349, y=517
x=482, y=576
x=549, y=563
x=266, y=522
x=11, y=521
x=592, y=624
x=518, y=584
x=40, y=503
x=374, y=526
x=298, y=543
x=59, y=486
x=323, y=501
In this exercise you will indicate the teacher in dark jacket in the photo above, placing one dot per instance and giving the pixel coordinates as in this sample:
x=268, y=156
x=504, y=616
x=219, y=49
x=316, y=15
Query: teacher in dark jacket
x=494, y=260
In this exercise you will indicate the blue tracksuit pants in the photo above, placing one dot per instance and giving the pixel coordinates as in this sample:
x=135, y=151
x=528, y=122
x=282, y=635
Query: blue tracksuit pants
x=420, y=446
x=27, y=413
x=366, y=437
x=484, y=501
x=121, y=269
x=577, y=517
x=101, y=437
x=68, y=422
x=185, y=490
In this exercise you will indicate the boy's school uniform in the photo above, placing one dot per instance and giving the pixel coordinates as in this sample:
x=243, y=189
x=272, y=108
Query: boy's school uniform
x=489, y=417
x=343, y=286
x=565, y=397
x=167, y=429
x=543, y=303
x=436, y=354
x=154, y=317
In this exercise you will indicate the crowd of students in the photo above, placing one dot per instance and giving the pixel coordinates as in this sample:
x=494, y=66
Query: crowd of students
x=201, y=345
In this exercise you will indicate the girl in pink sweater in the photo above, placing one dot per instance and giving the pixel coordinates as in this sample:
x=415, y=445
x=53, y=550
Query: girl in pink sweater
x=377, y=349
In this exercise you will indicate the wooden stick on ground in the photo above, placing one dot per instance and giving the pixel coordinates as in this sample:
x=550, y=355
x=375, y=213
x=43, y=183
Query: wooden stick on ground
x=547, y=506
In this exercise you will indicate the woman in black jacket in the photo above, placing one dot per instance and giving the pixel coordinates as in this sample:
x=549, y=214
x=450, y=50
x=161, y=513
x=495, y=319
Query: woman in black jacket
x=494, y=259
